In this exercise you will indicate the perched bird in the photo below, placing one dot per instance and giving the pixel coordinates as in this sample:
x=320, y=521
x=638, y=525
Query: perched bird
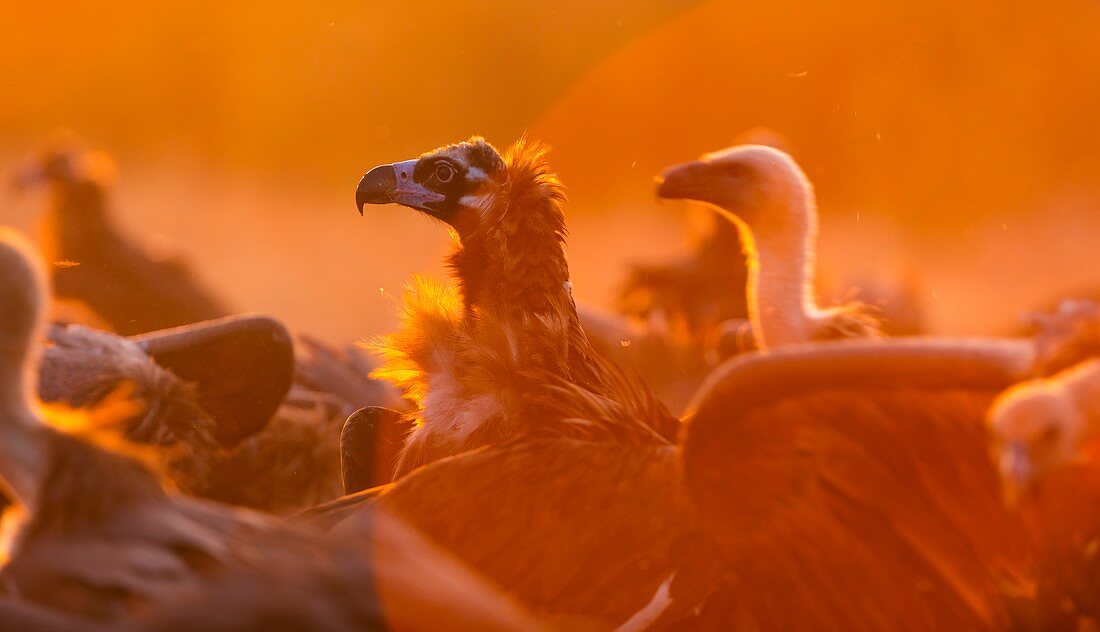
x=764, y=192
x=100, y=539
x=1042, y=435
x=573, y=528
x=98, y=265
x=691, y=297
x=201, y=390
x=16, y=614
x=1041, y=424
x=467, y=357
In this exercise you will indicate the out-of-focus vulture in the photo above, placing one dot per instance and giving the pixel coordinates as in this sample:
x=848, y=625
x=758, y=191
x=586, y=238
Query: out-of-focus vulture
x=215, y=394
x=771, y=201
x=1043, y=437
x=1042, y=424
x=17, y=615
x=96, y=264
x=691, y=297
x=468, y=358
x=101, y=539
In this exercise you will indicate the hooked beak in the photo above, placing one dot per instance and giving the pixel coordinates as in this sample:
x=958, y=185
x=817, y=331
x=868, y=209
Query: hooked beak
x=394, y=183
x=680, y=182
x=1016, y=470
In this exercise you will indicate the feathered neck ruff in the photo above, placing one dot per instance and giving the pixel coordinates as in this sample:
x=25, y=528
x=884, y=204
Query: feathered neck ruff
x=510, y=260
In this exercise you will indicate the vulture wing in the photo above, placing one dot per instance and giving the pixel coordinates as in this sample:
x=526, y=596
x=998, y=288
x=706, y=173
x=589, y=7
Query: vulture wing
x=570, y=527
x=242, y=366
x=850, y=488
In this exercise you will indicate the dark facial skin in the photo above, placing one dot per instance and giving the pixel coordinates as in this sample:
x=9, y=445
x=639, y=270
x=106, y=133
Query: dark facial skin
x=434, y=184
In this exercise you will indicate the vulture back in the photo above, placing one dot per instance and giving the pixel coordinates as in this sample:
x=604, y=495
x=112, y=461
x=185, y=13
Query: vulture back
x=574, y=528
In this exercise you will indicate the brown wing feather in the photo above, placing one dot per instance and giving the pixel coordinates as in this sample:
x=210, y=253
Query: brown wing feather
x=864, y=472
x=570, y=527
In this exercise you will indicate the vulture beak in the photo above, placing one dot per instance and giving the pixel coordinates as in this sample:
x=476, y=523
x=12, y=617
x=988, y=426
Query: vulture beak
x=1016, y=470
x=394, y=183
x=682, y=181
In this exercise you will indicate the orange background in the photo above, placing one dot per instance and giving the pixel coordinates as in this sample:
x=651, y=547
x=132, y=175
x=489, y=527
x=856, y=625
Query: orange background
x=958, y=143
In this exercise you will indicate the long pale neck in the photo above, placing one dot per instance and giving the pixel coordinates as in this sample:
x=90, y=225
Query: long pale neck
x=1083, y=385
x=22, y=452
x=781, y=259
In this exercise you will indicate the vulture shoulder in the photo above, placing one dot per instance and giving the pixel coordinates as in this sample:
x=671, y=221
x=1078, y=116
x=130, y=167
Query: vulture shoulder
x=572, y=528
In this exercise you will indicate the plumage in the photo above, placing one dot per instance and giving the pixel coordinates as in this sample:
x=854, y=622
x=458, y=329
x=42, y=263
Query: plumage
x=469, y=356
x=573, y=528
x=860, y=469
x=215, y=395
x=102, y=540
x=210, y=387
x=1042, y=435
x=772, y=203
x=863, y=470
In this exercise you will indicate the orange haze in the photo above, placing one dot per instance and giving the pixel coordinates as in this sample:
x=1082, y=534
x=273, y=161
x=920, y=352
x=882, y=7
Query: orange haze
x=956, y=142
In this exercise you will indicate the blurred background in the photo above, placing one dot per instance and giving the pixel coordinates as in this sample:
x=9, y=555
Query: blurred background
x=955, y=146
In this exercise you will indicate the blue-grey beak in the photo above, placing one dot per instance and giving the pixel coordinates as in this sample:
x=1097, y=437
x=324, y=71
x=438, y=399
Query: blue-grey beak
x=394, y=183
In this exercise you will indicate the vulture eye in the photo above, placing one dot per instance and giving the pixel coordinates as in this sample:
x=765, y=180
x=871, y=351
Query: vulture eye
x=444, y=172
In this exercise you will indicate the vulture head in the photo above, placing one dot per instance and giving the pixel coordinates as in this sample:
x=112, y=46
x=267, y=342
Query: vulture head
x=760, y=186
x=69, y=169
x=771, y=201
x=1039, y=425
x=456, y=184
x=506, y=212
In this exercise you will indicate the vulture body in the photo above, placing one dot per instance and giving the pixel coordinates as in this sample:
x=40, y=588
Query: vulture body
x=471, y=357
x=690, y=298
x=1043, y=436
x=863, y=470
x=102, y=540
x=836, y=487
x=219, y=397
x=123, y=284
x=765, y=193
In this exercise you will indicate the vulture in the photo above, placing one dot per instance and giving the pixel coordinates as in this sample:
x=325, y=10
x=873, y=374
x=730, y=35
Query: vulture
x=693, y=296
x=1041, y=424
x=246, y=417
x=293, y=463
x=96, y=264
x=1043, y=438
x=824, y=486
x=99, y=538
x=765, y=193
x=469, y=356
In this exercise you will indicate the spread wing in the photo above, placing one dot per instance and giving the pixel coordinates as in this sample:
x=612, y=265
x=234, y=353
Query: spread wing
x=849, y=486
